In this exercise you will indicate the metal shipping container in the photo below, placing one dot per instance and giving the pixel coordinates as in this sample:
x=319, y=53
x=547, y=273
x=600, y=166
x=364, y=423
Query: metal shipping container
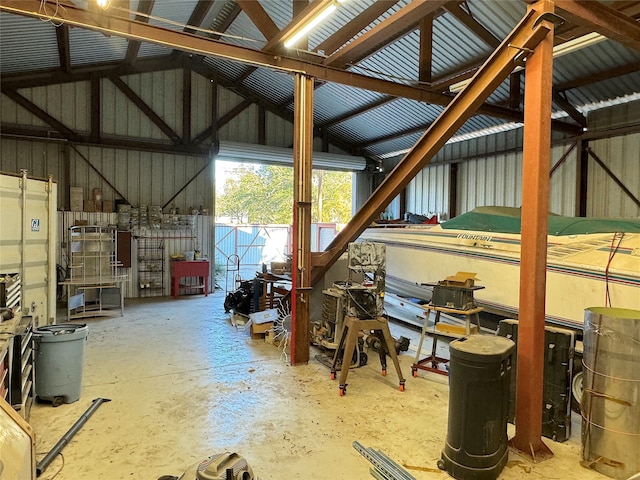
x=28, y=233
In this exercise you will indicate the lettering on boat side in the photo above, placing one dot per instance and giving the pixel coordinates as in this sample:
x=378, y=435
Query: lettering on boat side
x=471, y=236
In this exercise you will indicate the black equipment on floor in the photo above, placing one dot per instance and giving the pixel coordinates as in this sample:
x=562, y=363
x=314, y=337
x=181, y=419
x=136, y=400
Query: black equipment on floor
x=479, y=377
x=558, y=371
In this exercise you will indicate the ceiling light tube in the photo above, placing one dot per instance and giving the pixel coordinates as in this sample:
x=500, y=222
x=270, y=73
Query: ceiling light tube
x=558, y=51
x=308, y=26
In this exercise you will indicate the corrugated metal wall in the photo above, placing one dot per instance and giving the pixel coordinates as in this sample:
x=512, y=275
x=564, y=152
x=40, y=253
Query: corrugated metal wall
x=622, y=156
x=488, y=178
x=141, y=177
x=428, y=193
x=563, y=184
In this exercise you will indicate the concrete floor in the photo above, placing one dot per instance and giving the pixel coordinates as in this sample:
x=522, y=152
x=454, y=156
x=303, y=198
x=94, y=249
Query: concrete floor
x=185, y=384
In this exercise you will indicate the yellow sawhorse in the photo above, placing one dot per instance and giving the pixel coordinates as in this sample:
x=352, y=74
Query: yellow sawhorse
x=349, y=340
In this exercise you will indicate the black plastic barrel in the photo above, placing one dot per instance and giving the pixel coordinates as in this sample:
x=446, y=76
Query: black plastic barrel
x=479, y=378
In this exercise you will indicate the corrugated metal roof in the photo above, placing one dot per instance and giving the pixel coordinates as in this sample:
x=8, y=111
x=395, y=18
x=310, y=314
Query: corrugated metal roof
x=497, y=16
x=229, y=69
x=178, y=11
x=152, y=50
x=332, y=101
x=93, y=47
x=276, y=86
x=26, y=44
x=454, y=47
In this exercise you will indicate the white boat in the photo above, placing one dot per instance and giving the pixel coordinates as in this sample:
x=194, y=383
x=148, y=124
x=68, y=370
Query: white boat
x=590, y=262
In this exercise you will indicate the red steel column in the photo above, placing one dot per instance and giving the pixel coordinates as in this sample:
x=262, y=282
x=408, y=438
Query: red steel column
x=533, y=258
x=301, y=258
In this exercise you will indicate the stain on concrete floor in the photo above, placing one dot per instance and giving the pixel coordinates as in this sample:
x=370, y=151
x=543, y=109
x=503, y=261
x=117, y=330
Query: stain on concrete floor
x=185, y=384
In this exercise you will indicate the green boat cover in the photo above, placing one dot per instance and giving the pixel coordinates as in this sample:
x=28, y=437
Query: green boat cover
x=507, y=220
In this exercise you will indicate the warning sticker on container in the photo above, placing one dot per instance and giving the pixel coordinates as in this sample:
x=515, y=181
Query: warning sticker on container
x=35, y=224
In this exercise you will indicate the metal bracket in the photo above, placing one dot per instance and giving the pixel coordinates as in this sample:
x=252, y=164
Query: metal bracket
x=521, y=56
x=557, y=20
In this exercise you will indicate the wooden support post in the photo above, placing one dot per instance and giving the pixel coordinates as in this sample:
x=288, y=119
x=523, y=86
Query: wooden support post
x=533, y=259
x=301, y=270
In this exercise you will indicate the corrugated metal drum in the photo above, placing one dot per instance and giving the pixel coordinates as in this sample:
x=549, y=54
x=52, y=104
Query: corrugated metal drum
x=611, y=396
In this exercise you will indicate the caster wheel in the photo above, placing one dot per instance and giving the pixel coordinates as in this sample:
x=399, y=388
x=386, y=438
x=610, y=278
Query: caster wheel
x=414, y=372
x=333, y=375
x=343, y=391
x=402, y=387
x=57, y=401
x=384, y=372
x=440, y=464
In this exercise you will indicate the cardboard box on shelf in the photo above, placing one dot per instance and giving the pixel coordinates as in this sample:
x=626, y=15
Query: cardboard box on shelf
x=98, y=205
x=97, y=194
x=258, y=330
x=89, y=206
x=107, y=206
x=75, y=199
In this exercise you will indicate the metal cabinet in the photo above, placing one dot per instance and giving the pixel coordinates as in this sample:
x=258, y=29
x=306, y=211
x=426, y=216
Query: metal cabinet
x=94, y=285
x=22, y=374
x=17, y=373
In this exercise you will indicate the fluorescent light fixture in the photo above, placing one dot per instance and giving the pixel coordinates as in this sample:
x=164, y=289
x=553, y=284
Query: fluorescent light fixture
x=558, y=51
x=254, y=153
x=93, y=5
x=309, y=25
x=577, y=44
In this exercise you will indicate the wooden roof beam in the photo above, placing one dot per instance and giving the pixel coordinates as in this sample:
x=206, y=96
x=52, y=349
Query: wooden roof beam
x=358, y=111
x=200, y=45
x=260, y=18
x=145, y=6
x=425, y=56
x=605, y=20
x=198, y=15
x=355, y=26
x=397, y=25
x=563, y=102
x=64, y=52
x=472, y=24
x=394, y=136
x=599, y=77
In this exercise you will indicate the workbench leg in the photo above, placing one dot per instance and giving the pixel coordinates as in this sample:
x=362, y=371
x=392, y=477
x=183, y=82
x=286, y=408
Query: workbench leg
x=343, y=335
x=350, y=345
x=206, y=286
x=175, y=283
x=422, y=335
x=392, y=353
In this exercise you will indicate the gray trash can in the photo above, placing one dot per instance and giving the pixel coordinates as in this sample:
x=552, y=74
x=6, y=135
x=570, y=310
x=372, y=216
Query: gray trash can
x=59, y=356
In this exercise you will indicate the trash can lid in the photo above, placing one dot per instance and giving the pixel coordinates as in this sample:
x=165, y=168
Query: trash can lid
x=481, y=347
x=60, y=329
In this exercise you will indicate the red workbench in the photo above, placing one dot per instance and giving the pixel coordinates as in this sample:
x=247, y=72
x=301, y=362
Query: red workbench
x=181, y=269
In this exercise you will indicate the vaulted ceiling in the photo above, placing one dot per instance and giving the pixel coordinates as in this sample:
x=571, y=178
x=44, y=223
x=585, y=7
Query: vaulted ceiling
x=383, y=70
